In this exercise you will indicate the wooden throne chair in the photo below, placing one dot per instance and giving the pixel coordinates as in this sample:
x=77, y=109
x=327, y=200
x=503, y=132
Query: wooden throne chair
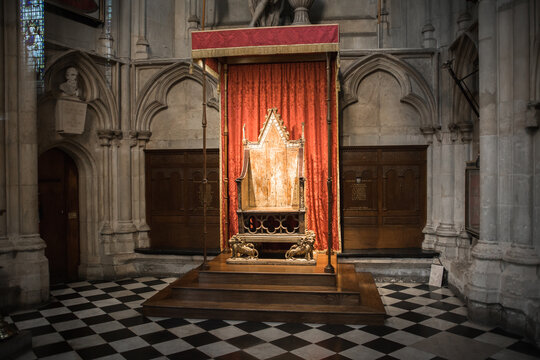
x=271, y=206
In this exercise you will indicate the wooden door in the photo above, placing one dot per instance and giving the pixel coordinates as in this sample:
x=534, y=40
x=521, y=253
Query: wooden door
x=59, y=214
x=174, y=203
x=383, y=197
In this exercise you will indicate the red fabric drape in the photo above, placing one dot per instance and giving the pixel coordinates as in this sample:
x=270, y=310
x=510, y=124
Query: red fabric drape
x=298, y=91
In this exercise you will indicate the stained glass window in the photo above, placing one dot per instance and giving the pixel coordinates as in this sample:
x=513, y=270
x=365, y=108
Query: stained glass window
x=32, y=25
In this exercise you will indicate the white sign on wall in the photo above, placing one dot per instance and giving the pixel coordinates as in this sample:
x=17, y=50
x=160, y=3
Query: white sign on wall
x=70, y=116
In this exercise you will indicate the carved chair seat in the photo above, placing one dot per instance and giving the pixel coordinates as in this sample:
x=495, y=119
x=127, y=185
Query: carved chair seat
x=271, y=188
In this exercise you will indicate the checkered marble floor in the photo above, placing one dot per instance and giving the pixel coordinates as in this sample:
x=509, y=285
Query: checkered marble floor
x=100, y=319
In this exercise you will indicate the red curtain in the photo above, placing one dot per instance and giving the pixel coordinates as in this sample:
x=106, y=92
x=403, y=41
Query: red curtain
x=298, y=91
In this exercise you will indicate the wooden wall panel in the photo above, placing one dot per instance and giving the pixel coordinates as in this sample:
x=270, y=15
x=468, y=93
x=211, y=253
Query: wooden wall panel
x=383, y=196
x=174, y=199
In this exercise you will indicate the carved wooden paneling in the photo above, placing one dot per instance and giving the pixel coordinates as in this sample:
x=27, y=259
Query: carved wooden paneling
x=174, y=200
x=383, y=196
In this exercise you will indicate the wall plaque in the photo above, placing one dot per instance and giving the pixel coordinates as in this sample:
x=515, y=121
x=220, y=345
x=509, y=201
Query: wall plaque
x=359, y=192
x=70, y=116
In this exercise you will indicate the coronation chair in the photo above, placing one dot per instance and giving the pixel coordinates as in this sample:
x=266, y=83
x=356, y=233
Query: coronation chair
x=271, y=193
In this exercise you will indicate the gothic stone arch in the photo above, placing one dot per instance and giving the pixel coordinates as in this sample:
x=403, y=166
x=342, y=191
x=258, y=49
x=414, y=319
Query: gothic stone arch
x=423, y=102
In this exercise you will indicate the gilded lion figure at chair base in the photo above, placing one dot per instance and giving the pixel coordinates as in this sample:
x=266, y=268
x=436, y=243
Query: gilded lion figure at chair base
x=271, y=206
x=304, y=248
x=240, y=248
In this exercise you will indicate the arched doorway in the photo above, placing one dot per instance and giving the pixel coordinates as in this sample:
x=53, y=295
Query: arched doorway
x=59, y=213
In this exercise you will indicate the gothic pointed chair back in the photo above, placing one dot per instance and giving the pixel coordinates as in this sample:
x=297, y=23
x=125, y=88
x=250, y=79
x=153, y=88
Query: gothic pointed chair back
x=271, y=187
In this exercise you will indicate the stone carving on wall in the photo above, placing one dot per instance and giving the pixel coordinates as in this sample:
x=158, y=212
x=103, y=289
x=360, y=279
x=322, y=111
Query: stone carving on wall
x=265, y=12
x=70, y=111
x=71, y=86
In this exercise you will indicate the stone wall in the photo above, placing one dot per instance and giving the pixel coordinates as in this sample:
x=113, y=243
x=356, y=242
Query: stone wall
x=142, y=92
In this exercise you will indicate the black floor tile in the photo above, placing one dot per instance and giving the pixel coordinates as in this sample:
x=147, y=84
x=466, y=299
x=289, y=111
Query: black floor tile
x=61, y=318
x=421, y=330
x=42, y=330
x=379, y=330
x=99, y=297
x=245, y=341
x=26, y=316
x=76, y=333
x=142, y=290
x=434, y=296
x=413, y=316
x=336, y=344
x=441, y=305
x=93, y=320
x=95, y=352
x=52, y=305
x=455, y=318
x=130, y=298
x=113, y=289
x=117, y=335
x=286, y=356
x=466, y=331
x=80, y=307
x=400, y=296
x=335, y=329
x=58, y=286
x=114, y=308
x=144, y=353
x=251, y=326
x=502, y=332
x=154, y=282
x=525, y=348
x=406, y=305
x=201, y=339
x=158, y=337
x=212, y=324
x=67, y=296
x=293, y=328
x=134, y=321
x=290, y=343
x=384, y=346
x=84, y=288
x=192, y=354
x=395, y=287
x=172, y=323
x=336, y=357
x=237, y=355
x=126, y=281
x=52, y=349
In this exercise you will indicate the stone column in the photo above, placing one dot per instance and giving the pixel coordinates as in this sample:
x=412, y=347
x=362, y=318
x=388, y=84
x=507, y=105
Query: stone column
x=462, y=155
x=429, y=230
x=141, y=48
x=4, y=243
x=483, y=287
x=143, y=240
x=125, y=229
x=105, y=137
x=446, y=233
x=428, y=30
x=26, y=267
x=185, y=21
x=519, y=282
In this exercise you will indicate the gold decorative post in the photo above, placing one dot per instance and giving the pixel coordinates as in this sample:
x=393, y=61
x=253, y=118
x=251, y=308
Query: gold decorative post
x=329, y=268
x=205, y=180
x=225, y=146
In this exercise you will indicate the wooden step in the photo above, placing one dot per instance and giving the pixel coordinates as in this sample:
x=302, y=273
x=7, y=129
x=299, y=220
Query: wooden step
x=297, y=313
x=260, y=294
x=271, y=293
x=234, y=277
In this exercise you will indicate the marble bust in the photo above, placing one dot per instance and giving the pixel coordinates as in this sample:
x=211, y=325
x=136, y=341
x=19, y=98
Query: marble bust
x=71, y=86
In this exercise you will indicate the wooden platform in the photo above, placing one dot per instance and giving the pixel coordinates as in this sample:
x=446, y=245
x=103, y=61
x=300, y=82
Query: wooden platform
x=271, y=293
